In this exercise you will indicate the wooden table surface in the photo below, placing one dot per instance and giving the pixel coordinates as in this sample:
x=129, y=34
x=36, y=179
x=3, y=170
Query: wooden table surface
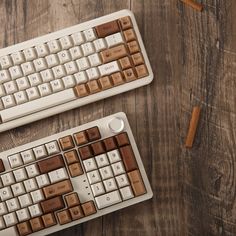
x=193, y=56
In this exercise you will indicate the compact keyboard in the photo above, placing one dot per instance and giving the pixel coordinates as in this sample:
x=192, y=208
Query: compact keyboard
x=70, y=68
x=70, y=177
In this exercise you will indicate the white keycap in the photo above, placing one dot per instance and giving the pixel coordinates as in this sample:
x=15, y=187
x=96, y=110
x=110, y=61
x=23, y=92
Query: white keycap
x=23, y=83
x=4, y=76
x=3, y=208
x=68, y=81
x=8, y=101
x=92, y=73
x=93, y=177
x=102, y=160
x=15, y=72
x=64, y=56
x=81, y=77
x=18, y=189
x=126, y=193
x=35, y=210
x=28, y=68
x=32, y=93
x=122, y=180
x=110, y=184
x=40, y=152
x=59, y=71
x=58, y=175
x=10, y=87
x=35, y=79
x=83, y=63
x=109, y=68
x=12, y=205
x=108, y=199
x=87, y=49
x=54, y=46
x=44, y=89
x=71, y=68
x=18, y=58
x=97, y=189
x=32, y=170
x=90, y=35
x=114, y=39
x=78, y=38
x=20, y=174
x=25, y=200
x=30, y=54
x=2, y=223
x=37, y=196
x=106, y=172
x=47, y=75
x=94, y=59
x=66, y=42
x=114, y=156
x=15, y=160
x=40, y=64
x=52, y=148
x=2, y=91
x=42, y=180
x=5, y=62
x=52, y=60
x=5, y=193
x=76, y=53
x=20, y=97
x=27, y=156
x=118, y=168
x=89, y=164
x=30, y=185
x=10, y=219
x=7, y=179
x=42, y=50
x=57, y=85
x=100, y=44
x=23, y=214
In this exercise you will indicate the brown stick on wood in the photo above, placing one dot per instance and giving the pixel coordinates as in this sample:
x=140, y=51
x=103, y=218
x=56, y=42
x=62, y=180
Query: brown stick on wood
x=192, y=127
x=193, y=4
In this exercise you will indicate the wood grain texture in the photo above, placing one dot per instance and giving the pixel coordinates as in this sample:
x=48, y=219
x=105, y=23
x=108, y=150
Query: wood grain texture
x=193, y=56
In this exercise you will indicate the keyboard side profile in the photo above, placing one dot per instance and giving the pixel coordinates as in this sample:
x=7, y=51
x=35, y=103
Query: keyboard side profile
x=70, y=68
x=71, y=177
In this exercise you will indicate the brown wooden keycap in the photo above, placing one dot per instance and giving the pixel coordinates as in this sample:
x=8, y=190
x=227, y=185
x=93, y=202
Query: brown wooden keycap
x=81, y=138
x=107, y=29
x=114, y=53
x=93, y=134
x=71, y=157
x=129, y=35
x=125, y=22
x=2, y=168
x=141, y=71
x=52, y=204
x=128, y=158
x=98, y=148
x=72, y=199
x=93, y=86
x=137, y=59
x=66, y=143
x=24, y=228
x=125, y=63
x=129, y=75
x=58, y=189
x=105, y=82
x=89, y=208
x=81, y=90
x=110, y=143
x=36, y=224
x=85, y=152
x=117, y=79
x=122, y=139
x=49, y=220
x=75, y=169
x=64, y=217
x=50, y=164
x=76, y=212
x=133, y=47
x=137, y=183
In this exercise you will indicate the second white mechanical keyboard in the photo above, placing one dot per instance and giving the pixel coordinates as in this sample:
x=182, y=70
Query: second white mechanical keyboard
x=70, y=68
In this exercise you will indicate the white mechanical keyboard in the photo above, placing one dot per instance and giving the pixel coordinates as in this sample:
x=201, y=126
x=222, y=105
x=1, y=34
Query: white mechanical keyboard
x=70, y=68
x=70, y=177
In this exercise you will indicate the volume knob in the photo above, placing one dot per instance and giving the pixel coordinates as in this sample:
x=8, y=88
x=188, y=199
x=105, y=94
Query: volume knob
x=116, y=125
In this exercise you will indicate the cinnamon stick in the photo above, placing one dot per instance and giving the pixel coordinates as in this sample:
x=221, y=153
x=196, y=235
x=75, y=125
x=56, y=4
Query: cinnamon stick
x=193, y=4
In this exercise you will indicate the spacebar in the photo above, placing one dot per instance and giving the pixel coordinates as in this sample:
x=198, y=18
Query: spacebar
x=37, y=105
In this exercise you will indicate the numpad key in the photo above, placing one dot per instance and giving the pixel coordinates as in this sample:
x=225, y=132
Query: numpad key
x=71, y=177
x=70, y=68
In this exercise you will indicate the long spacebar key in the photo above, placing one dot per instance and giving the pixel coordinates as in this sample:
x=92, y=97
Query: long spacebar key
x=108, y=199
x=37, y=105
